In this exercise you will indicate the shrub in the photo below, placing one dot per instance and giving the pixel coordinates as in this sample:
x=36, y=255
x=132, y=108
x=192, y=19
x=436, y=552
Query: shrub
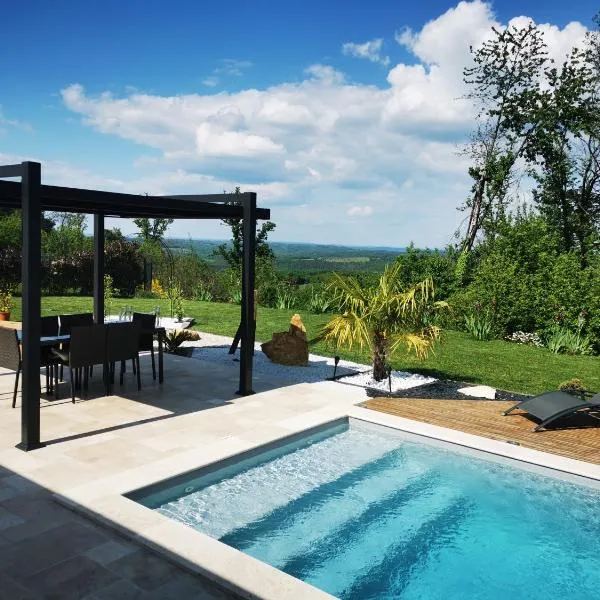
x=176, y=337
x=140, y=292
x=109, y=294
x=524, y=272
x=157, y=289
x=479, y=325
x=574, y=385
x=236, y=297
x=417, y=265
x=320, y=303
x=285, y=299
x=562, y=340
x=203, y=294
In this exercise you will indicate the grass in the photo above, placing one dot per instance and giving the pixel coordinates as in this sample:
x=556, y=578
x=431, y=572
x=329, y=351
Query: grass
x=505, y=365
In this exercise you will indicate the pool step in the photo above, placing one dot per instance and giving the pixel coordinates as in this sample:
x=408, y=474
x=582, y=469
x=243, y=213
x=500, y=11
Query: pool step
x=392, y=525
x=389, y=465
x=334, y=511
x=237, y=507
x=403, y=559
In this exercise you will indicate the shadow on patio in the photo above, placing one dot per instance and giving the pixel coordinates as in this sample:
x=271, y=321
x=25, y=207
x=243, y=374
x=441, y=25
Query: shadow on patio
x=190, y=386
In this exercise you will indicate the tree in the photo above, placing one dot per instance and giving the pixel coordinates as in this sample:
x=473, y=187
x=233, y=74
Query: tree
x=67, y=237
x=565, y=151
x=505, y=85
x=384, y=317
x=233, y=254
x=151, y=233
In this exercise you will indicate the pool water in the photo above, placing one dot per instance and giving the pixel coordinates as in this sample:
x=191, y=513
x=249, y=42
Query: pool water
x=363, y=512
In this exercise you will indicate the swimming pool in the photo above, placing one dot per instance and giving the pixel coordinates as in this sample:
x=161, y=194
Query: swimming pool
x=365, y=511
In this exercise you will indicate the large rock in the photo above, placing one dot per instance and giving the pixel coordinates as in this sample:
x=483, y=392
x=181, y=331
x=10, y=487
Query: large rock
x=289, y=347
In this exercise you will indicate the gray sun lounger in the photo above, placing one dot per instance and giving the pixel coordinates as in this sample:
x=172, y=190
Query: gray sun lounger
x=550, y=406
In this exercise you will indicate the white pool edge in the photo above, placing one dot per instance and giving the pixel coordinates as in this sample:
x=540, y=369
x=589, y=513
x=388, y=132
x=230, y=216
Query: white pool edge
x=104, y=501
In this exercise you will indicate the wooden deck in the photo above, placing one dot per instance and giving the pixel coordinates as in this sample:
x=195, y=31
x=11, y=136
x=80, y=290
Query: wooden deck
x=576, y=437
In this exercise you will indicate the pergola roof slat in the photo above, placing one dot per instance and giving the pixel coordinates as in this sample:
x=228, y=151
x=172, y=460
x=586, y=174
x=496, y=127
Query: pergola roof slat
x=77, y=200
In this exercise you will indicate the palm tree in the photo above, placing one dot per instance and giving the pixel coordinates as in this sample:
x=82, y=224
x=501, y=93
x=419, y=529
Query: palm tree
x=384, y=317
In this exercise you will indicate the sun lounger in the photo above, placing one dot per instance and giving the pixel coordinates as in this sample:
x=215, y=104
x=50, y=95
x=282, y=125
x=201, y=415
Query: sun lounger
x=550, y=406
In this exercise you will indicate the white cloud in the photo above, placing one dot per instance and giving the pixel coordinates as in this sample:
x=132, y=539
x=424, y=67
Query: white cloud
x=211, y=141
x=233, y=66
x=370, y=50
x=360, y=211
x=325, y=73
x=325, y=145
x=210, y=81
x=5, y=122
x=226, y=69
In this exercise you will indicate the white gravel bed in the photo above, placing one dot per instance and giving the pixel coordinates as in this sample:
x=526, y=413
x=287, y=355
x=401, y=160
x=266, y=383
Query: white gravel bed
x=400, y=380
x=215, y=348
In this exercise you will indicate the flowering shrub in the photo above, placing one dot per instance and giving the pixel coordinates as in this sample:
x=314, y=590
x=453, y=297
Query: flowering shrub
x=531, y=339
x=158, y=289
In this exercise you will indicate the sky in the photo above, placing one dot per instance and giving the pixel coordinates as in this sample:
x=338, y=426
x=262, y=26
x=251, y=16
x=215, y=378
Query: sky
x=346, y=117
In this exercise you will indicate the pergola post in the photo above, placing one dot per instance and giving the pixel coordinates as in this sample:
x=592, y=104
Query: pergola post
x=247, y=317
x=98, y=268
x=32, y=293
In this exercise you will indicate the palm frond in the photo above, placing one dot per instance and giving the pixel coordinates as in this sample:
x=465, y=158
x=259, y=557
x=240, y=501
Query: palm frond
x=346, y=330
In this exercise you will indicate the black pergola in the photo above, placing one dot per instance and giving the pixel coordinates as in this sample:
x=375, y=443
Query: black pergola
x=32, y=197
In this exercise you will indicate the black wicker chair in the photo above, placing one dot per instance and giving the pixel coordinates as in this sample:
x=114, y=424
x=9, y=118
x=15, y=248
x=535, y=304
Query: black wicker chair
x=148, y=324
x=10, y=355
x=66, y=322
x=47, y=358
x=122, y=344
x=86, y=348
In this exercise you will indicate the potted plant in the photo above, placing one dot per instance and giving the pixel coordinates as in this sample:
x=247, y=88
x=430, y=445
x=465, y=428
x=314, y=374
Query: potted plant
x=6, y=304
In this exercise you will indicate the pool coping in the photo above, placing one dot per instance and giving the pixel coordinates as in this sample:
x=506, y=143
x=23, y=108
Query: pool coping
x=104, y=500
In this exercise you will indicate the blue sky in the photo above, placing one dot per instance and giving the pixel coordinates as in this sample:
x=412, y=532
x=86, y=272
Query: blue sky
x=345, y=117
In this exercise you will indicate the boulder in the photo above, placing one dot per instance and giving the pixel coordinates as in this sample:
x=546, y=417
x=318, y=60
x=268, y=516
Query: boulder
x=289, y=347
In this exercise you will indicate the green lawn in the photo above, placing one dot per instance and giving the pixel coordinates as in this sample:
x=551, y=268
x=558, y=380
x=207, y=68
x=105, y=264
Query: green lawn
x=501, y=364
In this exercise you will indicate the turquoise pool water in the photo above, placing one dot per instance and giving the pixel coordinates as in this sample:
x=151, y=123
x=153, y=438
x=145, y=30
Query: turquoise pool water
x=362, y=512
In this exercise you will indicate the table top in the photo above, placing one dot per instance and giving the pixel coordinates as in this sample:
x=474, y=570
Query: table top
x=48, y=340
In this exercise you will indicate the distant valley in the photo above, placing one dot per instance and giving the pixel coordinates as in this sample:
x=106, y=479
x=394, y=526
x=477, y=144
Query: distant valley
x=305, y=257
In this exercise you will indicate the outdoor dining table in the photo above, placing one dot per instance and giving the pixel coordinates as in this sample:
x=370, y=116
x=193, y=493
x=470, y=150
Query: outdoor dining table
x=159, y=332
x=47, y=340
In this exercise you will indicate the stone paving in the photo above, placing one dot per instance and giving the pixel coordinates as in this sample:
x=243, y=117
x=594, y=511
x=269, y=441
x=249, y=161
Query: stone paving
x=50, y=551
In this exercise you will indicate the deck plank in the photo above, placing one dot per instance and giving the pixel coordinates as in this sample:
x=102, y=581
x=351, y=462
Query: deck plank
x=576, y=437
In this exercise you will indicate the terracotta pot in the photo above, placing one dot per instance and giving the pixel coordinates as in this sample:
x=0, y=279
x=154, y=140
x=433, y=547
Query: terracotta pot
x=4, y=316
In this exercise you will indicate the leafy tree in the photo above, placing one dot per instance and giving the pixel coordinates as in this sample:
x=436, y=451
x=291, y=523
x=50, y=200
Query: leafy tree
x=384, y=317
x=417, y=265
x=267, y=280
x=233, y=253
x=504, y=83
x=10, y=229
x=151, y=233
x=564, y=156
x=67, y=237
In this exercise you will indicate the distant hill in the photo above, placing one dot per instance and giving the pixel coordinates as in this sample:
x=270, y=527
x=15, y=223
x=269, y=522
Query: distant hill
x=294, y=256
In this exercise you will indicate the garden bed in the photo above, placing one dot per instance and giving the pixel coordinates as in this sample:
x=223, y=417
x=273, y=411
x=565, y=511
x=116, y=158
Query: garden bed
x=443, y=389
